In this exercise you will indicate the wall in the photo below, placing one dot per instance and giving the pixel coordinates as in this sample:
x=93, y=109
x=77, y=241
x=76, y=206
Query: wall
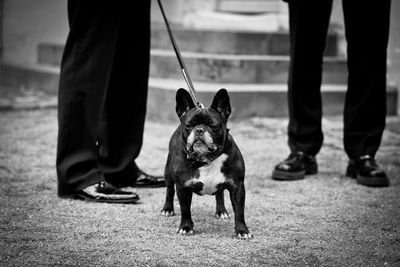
x=176, y=9
x=394, y=49
x=28, y=23
x=1, y=29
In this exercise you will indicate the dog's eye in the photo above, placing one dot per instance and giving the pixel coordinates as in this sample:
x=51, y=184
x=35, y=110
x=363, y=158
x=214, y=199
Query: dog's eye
x=188, y=126
x=214, y=127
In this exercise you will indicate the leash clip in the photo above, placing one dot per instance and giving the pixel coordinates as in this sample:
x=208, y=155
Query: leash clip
x=185, y=74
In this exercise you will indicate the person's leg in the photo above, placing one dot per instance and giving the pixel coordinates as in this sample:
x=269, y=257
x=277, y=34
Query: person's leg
x=367, y=33
x=308, y=21
x=84, y=73
x=121, y=132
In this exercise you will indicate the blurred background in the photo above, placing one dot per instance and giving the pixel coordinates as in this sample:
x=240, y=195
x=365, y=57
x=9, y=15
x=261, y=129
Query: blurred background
x=241, y=45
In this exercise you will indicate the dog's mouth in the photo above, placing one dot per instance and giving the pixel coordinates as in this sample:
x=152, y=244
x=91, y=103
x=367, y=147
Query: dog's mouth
x=202, y=147
x=199, y=150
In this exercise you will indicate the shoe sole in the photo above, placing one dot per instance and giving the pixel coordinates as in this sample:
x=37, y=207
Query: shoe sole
x=100, y=200
x=139, y=185
x=149, y=186
x=367, y=181
x=291, y=176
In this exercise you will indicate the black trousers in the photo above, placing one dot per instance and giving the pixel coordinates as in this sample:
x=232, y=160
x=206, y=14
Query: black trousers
x=367, y=31
x=102, y=92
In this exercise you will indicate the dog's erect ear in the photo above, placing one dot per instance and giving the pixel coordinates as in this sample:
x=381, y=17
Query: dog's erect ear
x=184, y=102
x=221, y=103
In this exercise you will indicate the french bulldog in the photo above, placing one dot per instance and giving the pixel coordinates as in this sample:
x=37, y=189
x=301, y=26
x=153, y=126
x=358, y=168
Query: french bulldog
x=204, y=159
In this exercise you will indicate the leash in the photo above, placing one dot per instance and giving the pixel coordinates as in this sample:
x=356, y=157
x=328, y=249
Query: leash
x=186, y=76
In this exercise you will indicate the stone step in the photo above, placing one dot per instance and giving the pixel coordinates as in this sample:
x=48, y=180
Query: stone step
x=207, y=41
x=31, y=77
x=249, y=7
x=206, y=67
x=225, y=68
x=247, y=99
x=231, y=42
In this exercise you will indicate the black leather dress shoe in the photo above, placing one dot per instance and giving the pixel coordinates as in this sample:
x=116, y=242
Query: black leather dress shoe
x=105, y=192
x=367, y=172
x=140, y=179
x=295, y=167
x=144, y=180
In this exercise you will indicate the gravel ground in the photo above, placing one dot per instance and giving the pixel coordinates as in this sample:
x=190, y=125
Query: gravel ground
x=323, y=220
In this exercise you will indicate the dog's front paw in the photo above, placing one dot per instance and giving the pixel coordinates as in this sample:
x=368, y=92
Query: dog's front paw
x=222, y=215
x=167, y=213
x=184, y=231
x=244, y=235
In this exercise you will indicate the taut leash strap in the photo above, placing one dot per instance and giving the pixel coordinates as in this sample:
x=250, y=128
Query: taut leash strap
x=180, y=60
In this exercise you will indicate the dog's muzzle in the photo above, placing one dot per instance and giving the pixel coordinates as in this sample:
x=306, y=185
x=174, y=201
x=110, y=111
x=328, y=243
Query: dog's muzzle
x=200, y=141
x=200, y=144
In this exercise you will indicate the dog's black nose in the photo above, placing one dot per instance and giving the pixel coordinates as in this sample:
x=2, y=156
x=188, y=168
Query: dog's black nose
x=199, y=131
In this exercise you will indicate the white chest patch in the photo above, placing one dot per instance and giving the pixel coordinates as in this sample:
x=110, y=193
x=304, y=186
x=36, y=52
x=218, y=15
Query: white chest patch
x=211, y=175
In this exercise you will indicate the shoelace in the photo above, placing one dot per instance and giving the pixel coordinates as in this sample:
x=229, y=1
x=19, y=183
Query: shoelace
x=106, y=188
x=297, y=156
x=368, y=161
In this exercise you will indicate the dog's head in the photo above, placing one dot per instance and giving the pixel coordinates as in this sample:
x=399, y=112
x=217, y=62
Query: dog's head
x=204, y=130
